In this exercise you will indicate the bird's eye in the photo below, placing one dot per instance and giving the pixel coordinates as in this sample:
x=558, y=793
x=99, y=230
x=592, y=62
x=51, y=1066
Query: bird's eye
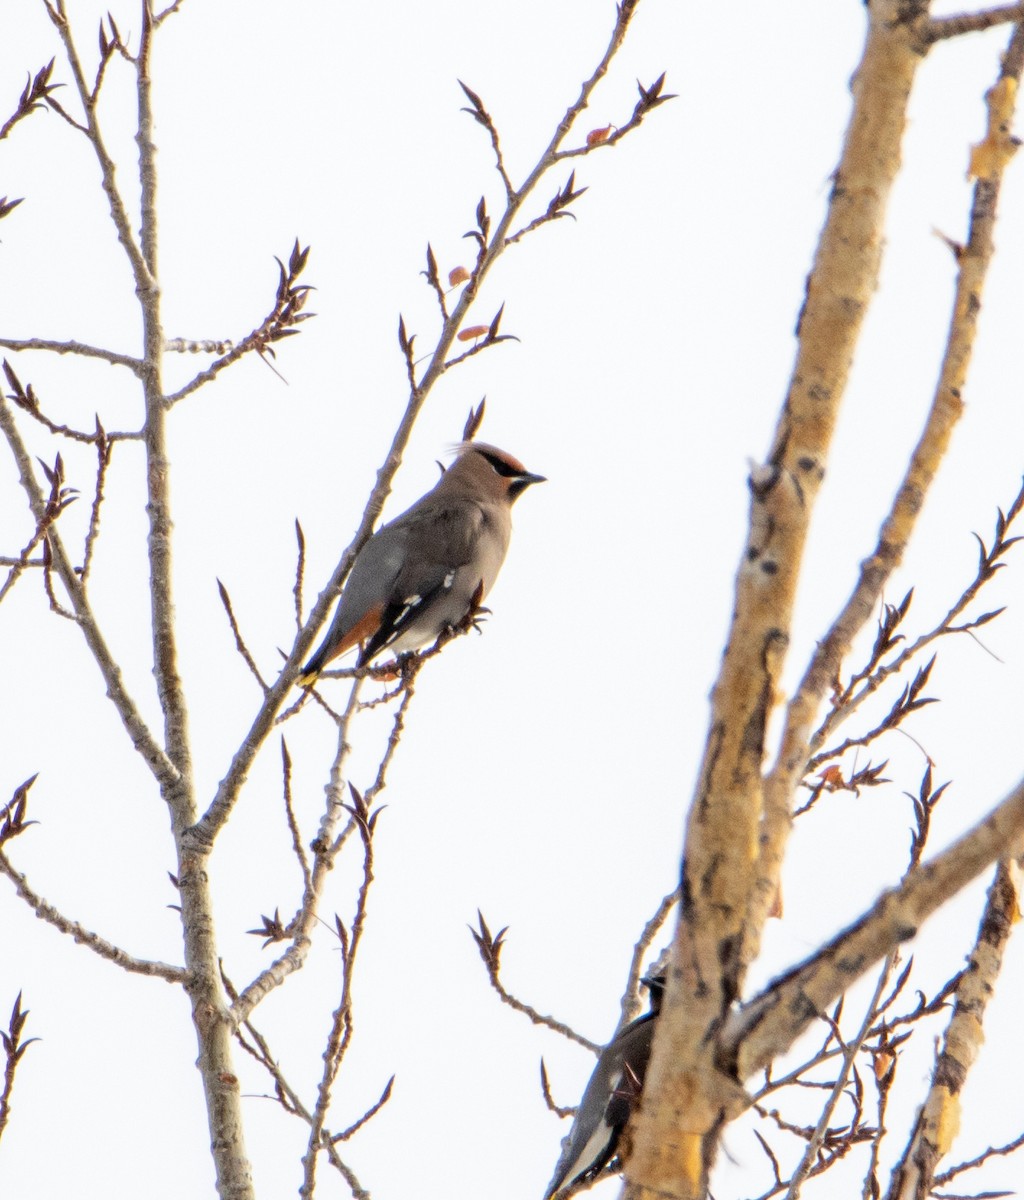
x=506, y=469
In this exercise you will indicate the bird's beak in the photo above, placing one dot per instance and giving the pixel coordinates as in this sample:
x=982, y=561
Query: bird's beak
x=520, y=483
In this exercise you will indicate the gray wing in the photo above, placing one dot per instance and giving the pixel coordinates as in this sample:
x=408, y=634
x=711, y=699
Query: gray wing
x=413, y=577
x=607, y=1103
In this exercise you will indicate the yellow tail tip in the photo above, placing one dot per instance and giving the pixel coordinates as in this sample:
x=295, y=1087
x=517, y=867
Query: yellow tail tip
x=307, y=679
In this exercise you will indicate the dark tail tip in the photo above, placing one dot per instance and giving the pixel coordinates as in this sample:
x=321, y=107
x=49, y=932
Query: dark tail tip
x=310, y=672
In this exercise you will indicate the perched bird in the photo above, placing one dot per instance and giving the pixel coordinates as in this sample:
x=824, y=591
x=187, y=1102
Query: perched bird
x=421, y=573
x=609, y=1099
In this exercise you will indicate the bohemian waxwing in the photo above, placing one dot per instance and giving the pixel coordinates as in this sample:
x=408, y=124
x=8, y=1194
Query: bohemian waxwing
x=419, y=575
x=609, y=1099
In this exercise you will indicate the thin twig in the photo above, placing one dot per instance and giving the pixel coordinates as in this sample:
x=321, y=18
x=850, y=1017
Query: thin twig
x=914, y=1174
x=118, y=212
x=169, y=11
x=109, y=46
x=650, y=98
x=850, y=1052
x=342, y=1021
x=23, y=561
x=300, y=570
x=866, y=682
x=885, y=1028
x=293, y=825
x=72, y=347
x=14, y=1050
x=240, y=645
x=490, y=947
x=37, y=94
x=979, y=1160
x=279, y=323
x=909, y=701
x=480, y=114
x=104, y=449
x=290, y=1101
x=643, y=944
x=51, y=595
x=563, y=1111
x=301, y=926
x=84, y=937
x=434, y=279
x=769, y=1023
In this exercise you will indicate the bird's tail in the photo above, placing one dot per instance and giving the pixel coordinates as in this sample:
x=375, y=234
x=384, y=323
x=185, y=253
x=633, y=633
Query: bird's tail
x=311, y=671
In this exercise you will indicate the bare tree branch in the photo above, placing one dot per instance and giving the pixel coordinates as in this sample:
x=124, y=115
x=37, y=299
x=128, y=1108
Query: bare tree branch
x=938, y=1118
x=118, y=212
x=769, y=1023
x=78, y=348
x=326, y=847
x=85, y=937
x=176, y=784
x=876, y=570
x=939, y=28
x=291, y=1102
x=128, y=711
x=730, y=886
x=980, y=1159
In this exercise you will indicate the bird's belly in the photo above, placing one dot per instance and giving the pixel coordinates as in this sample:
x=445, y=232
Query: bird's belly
x=447, y=608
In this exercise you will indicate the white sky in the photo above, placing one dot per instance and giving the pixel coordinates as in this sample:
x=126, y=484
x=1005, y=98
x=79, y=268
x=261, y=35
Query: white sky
x=547, y=765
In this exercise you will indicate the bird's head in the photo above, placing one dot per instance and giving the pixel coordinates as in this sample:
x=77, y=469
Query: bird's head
x=485, y=469
x=655, y=984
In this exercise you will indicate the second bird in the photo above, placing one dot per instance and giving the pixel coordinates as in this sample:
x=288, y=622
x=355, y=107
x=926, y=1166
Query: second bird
x=418, y=575
x=610, y=1099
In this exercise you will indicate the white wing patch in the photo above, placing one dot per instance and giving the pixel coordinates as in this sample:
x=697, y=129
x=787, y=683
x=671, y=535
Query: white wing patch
x=408, y=605
x=585, y=1157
